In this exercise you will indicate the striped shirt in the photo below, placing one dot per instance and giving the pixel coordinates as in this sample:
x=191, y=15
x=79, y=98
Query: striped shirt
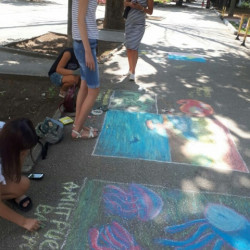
x=90, y=20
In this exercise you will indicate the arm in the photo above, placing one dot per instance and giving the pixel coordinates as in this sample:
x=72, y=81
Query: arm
x=147, y=10
x=11, y=215
x=62, y=64
x=127, y=3
x=82, y=11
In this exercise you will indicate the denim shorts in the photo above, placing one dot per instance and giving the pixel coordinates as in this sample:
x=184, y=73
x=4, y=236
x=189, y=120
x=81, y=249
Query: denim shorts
x=56, y=79
x=90, y=76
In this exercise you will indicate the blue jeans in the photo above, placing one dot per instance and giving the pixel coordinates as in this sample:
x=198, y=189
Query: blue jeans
x=90, y=76
x=56, y=79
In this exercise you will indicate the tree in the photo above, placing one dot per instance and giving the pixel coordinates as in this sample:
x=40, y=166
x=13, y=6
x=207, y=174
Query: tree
x=69, y=28
x=113, y=15
x=231, y=8
x=179, y=3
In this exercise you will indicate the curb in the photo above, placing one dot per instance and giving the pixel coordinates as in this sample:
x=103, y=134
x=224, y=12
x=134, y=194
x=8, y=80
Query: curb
x=26, y=53
x=226, y=22
x=230, y=26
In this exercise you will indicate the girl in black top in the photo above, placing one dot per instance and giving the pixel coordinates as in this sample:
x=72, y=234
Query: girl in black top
x=63, y=73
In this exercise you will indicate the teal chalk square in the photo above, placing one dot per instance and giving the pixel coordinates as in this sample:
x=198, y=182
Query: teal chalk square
x=186, y=57
x=126, y=135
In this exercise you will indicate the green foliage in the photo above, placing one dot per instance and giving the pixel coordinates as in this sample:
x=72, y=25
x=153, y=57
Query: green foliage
x=52, y=92
x=243, y=28
x=162, y=1
x=245, y=4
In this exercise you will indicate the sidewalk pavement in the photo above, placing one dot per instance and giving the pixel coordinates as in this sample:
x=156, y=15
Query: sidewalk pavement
x=33, y=20
x=220, y=79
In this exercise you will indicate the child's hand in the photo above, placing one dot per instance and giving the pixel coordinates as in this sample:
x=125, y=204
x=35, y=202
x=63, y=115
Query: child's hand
x=31, y=224
x=90, y=63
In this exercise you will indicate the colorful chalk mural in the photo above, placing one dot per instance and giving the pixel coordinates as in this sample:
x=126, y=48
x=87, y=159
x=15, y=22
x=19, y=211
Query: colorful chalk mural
x=125, y=134
x=199, y=141
x=102, y=100
x=156, y=57
x=133, y=101
x=195, y=108
x=185, y=57
x=135, y=216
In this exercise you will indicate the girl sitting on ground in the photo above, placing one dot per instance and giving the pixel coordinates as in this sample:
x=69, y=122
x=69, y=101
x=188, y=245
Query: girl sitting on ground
x=17, y=137
x=63, y=73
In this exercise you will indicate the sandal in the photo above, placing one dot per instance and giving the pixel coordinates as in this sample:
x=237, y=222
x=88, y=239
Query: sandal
x=20, y=204
x=79, y=135
x=87, y=128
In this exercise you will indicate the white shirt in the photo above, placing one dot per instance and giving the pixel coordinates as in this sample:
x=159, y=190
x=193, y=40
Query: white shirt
x=2, y=179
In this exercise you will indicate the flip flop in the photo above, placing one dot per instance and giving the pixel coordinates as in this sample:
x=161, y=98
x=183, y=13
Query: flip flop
x=20, y=204
x=87, y=128
x=79, y=135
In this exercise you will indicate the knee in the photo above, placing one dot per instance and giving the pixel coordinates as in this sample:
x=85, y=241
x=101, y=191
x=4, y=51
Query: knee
x=77, y=79
x=83, y=86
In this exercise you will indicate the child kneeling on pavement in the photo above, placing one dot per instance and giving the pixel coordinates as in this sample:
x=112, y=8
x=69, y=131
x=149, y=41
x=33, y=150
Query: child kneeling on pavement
x=63, y=73
x=17, y=138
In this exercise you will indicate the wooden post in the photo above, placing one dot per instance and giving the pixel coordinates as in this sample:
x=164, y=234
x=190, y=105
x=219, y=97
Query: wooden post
x=241, y=22
x=247, y=28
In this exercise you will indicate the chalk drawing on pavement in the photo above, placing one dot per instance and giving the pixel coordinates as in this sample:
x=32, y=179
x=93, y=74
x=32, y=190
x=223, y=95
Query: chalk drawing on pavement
x=102, y=100
x=125, y=135
x=173, y=218
x=220, y=227
x=155, y=56
x=195, y=108
x=185, y=57
x=133, y=101
x=197, y=141
x=202, y=91
x=137, y=202
x=111, y=236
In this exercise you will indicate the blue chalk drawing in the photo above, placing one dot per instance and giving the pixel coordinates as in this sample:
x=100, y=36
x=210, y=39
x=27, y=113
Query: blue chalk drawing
x=186, y=57
x=137, y=202
x=221, y=226
x=111, y=215
x=125, y=134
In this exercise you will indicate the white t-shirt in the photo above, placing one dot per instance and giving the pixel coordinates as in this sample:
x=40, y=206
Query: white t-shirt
x=2, y=179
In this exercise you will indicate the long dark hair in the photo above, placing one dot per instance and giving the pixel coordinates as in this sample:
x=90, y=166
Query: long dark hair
x=16, y=135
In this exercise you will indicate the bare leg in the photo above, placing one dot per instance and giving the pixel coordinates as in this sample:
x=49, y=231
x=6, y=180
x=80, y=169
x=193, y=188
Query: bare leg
x=85, y=101
x=129, y=55
x=69, y=81
x=15, y=190
x=132, y=59
x=81, y=96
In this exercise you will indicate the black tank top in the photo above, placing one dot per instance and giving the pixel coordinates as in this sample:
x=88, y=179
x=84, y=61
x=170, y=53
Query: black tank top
x=72, y=63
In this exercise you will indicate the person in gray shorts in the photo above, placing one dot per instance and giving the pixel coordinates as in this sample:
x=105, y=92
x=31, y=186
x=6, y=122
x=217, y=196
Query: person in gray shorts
x=134, y=30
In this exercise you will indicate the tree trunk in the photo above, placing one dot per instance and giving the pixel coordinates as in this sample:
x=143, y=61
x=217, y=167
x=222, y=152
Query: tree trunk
x=179, y=3
x=231, y=8
x=69, y=28
x=113, y=15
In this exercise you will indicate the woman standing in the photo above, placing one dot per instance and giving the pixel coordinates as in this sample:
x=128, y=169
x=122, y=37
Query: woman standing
x=85, y=35
x=134, y=29
x=17, y=137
